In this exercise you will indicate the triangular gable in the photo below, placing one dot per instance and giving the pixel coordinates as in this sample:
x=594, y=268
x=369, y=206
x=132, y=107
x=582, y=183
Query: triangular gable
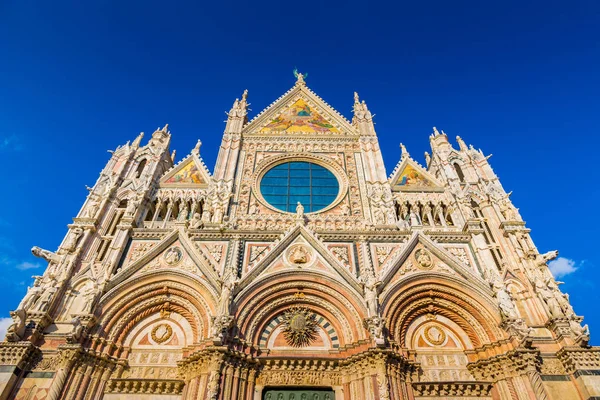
x=411, y=177
x=158, y=258
x=299, y=112
x=299, y=236
x=450, y=265
x=190, y=172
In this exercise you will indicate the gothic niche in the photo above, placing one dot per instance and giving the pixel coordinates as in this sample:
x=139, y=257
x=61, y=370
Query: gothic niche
x=299, y=326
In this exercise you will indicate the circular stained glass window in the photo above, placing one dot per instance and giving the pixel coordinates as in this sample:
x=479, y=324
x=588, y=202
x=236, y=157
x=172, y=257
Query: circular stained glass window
x=314, y=186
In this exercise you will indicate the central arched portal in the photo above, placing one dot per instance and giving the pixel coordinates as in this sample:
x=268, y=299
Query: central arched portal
x=298, y=393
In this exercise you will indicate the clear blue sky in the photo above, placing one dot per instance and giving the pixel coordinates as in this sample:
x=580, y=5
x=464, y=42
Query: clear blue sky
x=516, y=79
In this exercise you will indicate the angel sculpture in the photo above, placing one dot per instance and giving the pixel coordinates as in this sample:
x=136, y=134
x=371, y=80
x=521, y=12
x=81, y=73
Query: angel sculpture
x=299, y=76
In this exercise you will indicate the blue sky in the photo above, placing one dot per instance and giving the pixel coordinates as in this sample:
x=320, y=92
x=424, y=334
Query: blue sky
x=516, y=79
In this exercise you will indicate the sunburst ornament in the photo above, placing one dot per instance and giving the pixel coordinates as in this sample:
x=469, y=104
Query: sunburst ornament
x=299, y=326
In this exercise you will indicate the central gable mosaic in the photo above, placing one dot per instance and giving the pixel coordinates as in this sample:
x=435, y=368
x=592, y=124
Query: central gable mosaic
x=299, y=118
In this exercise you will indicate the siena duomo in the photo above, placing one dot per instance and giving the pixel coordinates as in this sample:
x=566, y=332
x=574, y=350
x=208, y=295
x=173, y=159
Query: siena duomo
x=298, y=269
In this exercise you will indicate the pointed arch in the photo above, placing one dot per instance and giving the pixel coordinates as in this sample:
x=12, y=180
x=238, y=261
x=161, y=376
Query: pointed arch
x=459, y=171
x=140, y=168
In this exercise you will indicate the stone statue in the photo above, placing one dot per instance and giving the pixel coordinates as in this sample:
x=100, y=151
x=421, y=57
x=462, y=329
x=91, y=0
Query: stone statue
x=92, y=208
x=519, y=328
x=89, y=296
x=32, y=296
x=220, y=324
x=577, y=329
x=375, y=325
x=132, y=205
x=509, y=211
x=207, y=214
x=77, y=330
x=196, y=222
x=43, y=303
x=370, y=284
x=72, y=239
x=227, y=287
x=548, y=297
x=16, y=331
x=565, y=305
x=183, y=213
x=299, y=211
x=45, y=254
x=415, y=219
x=217, y=217
x=505, y=303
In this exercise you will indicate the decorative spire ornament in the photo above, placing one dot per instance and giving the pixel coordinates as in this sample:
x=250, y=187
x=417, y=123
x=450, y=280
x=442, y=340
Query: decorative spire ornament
x=404, y=152
x=197, y=147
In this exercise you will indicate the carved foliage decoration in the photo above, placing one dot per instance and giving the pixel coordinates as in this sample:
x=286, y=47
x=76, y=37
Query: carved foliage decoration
x=299, y=326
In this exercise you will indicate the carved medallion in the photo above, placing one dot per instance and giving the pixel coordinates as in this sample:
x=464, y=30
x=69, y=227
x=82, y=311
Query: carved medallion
x=299, y=255
x=299, y=326
x=435, y=335
x=161, y=333
x=173, y=256
x=423, y=259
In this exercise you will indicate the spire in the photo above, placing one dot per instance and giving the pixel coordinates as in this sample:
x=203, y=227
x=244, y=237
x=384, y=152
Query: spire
x=136, y=142
x=237, y=116
x=361, y=111
x=404, y=152
x=461, y=144
x=196, y=150
x=239, y=108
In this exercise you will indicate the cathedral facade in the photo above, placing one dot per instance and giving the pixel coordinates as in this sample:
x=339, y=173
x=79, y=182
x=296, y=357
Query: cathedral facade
x=297, y=270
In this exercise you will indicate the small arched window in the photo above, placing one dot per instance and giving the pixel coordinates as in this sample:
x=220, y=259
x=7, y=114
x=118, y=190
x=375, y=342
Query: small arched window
x=140, y=168
x=459, y=172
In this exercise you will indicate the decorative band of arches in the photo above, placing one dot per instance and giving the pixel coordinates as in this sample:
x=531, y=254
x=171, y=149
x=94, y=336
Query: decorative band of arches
x=322, y=322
